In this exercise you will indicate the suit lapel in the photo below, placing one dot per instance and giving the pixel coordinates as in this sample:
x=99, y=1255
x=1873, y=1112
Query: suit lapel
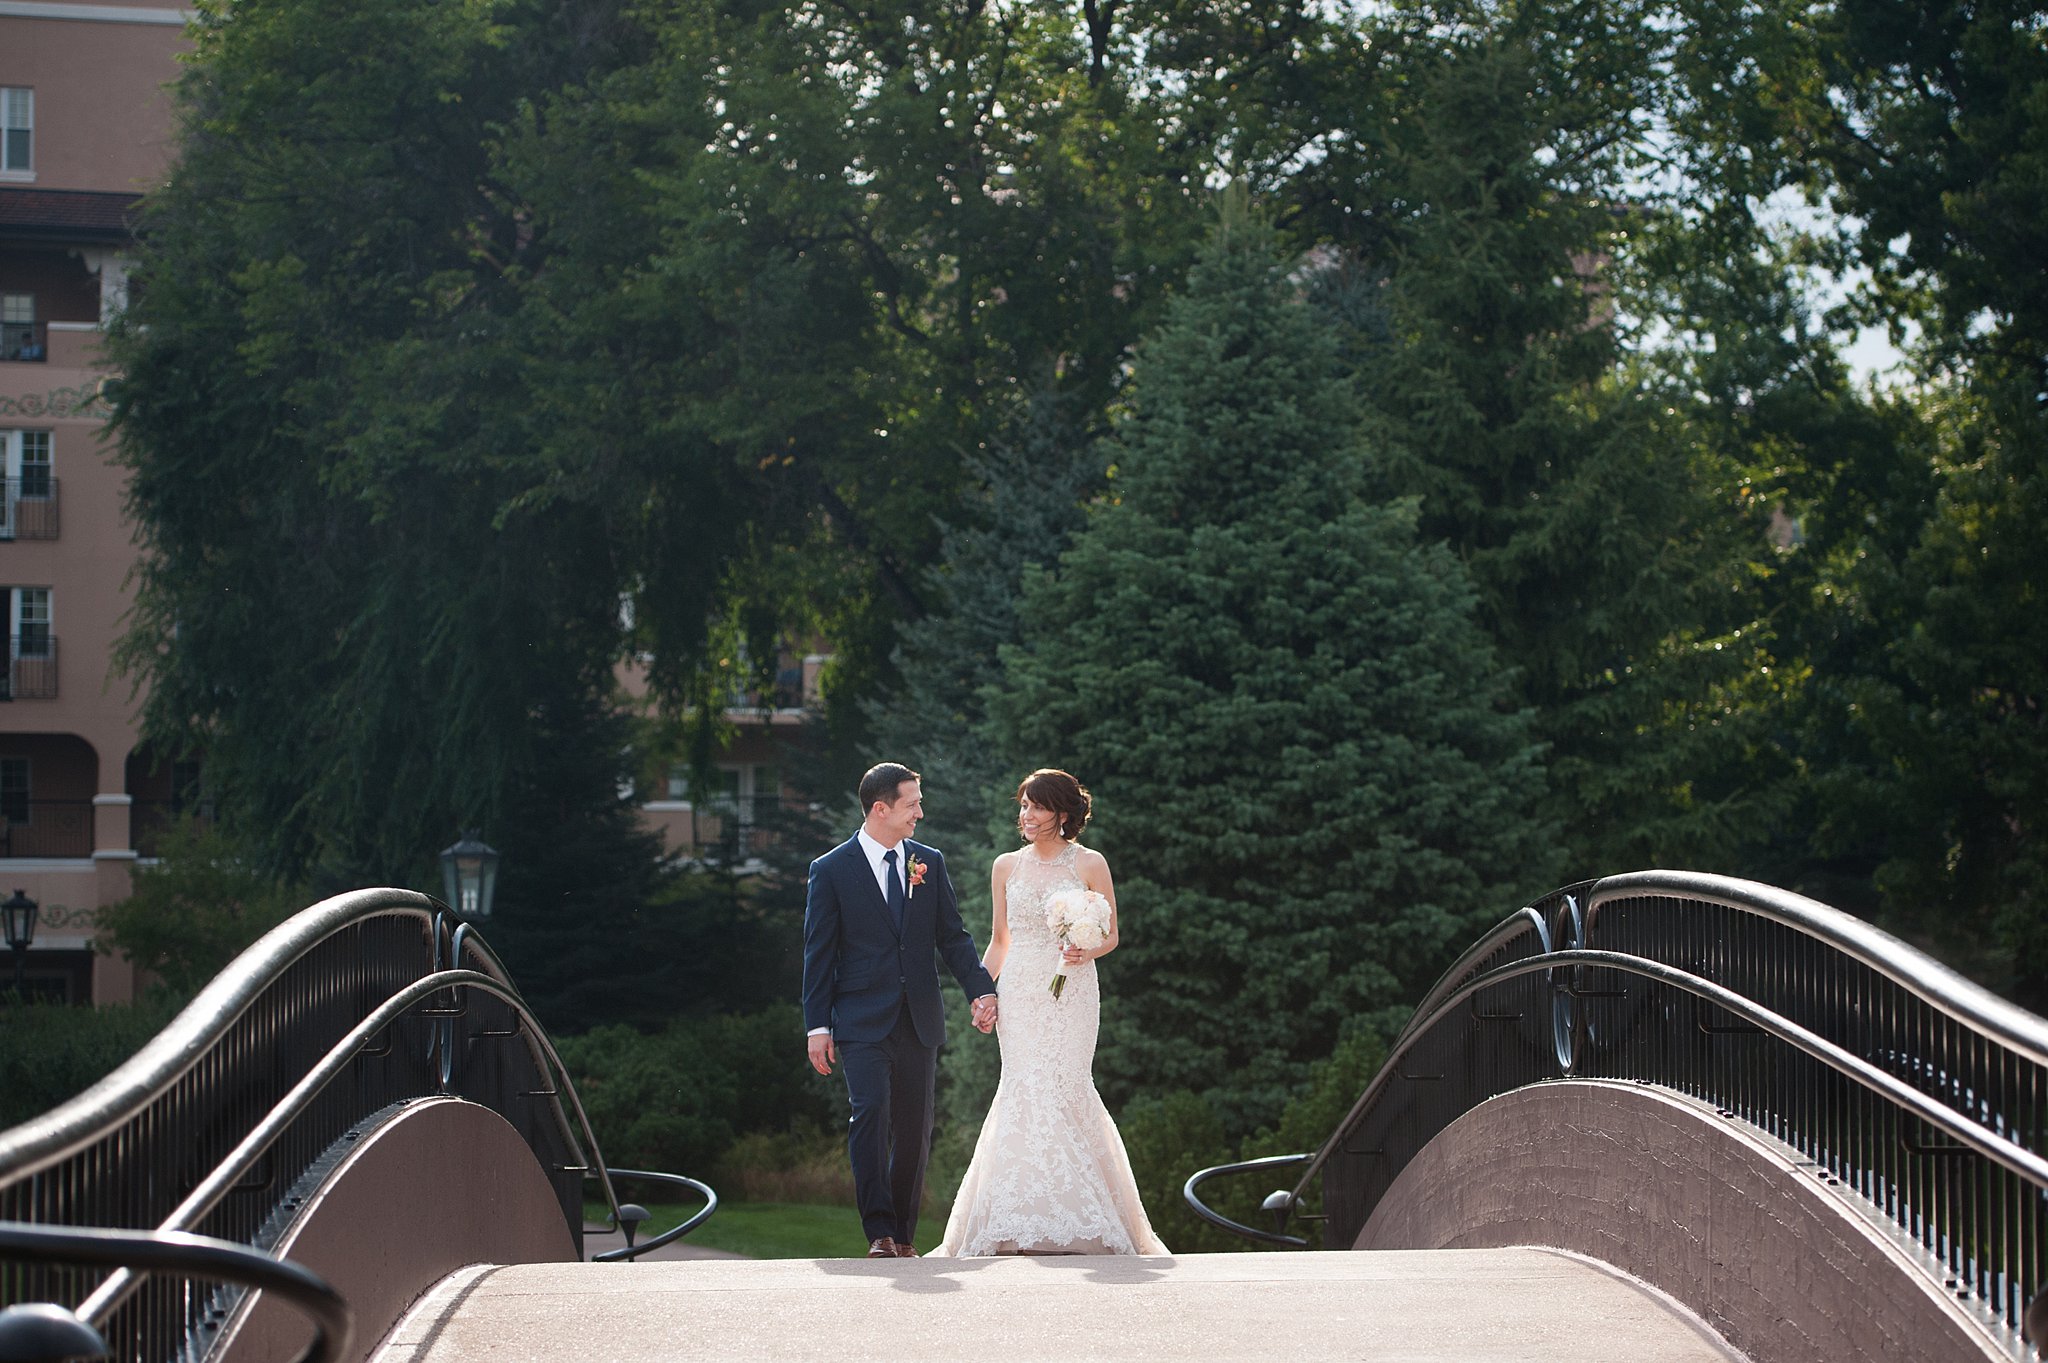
x=859, y=866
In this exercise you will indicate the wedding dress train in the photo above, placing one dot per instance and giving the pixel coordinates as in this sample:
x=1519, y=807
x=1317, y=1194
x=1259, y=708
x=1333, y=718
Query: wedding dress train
x=1049, y=1174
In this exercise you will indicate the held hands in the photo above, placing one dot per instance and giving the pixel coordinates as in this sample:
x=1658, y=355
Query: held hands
x=983, y=1011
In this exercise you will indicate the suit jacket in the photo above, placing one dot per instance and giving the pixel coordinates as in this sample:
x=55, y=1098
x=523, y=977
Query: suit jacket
x=860, y=971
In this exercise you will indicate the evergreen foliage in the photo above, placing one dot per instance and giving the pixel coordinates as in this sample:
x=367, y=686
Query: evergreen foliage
x=1307, y=775
x=1029, y=491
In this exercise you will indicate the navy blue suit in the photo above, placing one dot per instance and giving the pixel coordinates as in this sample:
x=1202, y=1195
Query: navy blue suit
x=877, y=987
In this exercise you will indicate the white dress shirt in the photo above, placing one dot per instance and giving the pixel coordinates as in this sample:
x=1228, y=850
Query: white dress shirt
x=875, y=852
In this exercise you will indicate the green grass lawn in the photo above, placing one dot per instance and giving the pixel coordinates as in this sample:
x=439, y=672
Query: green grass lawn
x=776, y=1230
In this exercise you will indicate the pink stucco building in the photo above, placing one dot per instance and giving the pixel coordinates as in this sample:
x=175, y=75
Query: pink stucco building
x=85, y=128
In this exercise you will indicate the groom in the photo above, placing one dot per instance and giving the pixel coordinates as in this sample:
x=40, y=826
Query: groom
x=878, y=911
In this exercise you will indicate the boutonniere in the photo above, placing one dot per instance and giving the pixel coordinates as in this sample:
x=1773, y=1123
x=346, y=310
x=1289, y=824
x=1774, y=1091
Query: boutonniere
x=917, y=870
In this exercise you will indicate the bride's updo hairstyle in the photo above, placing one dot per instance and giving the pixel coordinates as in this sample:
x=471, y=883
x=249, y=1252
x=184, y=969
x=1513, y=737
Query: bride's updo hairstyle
x=1050, y=788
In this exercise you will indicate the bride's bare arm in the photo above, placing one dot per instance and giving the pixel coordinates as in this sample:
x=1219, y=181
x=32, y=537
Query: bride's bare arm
x=999, y=931
x=1095, y=875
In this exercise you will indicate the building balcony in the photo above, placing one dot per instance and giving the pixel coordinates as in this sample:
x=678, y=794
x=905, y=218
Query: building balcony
x=31, y=668
x=28, y=508
x=739, y=831
x=46, y=828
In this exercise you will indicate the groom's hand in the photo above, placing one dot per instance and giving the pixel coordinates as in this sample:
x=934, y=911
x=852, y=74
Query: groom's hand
x=983, y=1012
x=823, y=1052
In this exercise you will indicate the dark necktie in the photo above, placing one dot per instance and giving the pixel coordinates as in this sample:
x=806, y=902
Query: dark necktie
x=895, y=889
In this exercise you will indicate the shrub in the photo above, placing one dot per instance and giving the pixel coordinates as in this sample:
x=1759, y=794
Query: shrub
x=50, y=1052
x=679, y=1099
x=1169, y=1138
x=807, y=1164
x=1173, y=1137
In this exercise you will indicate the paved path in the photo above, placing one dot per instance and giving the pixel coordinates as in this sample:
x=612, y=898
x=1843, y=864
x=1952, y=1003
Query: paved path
x=1471, y=1306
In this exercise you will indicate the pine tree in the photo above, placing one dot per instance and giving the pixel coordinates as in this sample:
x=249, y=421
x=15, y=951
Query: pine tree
x=1308, y=782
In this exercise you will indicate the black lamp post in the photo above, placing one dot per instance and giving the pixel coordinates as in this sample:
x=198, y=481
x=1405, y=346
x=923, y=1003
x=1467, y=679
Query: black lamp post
x=469, y=874
x=18, y=917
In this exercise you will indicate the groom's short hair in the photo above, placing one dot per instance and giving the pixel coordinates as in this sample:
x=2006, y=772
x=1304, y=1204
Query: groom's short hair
x=882, y=782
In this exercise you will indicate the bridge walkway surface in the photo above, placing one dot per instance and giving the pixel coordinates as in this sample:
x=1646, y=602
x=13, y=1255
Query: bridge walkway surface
x=1433, y=1306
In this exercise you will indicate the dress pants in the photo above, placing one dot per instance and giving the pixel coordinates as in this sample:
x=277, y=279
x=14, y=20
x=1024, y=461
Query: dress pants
x=889, y=1139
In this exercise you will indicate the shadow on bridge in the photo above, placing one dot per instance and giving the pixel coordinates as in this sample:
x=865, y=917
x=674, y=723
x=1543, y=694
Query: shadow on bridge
x=1656, y=1116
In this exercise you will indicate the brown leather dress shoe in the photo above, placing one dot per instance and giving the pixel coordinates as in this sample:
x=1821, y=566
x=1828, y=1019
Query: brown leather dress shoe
x=905, y=1251
x=884, y=1248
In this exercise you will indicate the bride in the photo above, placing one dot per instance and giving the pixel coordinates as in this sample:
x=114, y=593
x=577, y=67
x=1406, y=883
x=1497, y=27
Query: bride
x=1049, y=1174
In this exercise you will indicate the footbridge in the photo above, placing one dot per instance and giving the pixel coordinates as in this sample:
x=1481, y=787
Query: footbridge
x=1658, y=1116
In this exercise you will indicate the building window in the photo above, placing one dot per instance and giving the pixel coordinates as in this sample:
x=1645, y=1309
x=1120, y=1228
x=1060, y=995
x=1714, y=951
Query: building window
x=14, y=789
x=18, y=327
x=31, y=622
x=17, y=129
x=764, y=793
x=28, y=503
x=32, y=655
x=35, y=463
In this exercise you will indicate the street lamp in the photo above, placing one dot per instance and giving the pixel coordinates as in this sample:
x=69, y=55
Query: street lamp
x=469, y=874
x=18, y=918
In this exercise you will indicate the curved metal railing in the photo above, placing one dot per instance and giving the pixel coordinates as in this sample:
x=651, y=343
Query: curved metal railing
x=45, y=1331
x=1899, y=1079
x=627, y=1218
x=359, y=1002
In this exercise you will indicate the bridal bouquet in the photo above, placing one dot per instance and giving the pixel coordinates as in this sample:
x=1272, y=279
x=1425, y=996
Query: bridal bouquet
x=1077, y=918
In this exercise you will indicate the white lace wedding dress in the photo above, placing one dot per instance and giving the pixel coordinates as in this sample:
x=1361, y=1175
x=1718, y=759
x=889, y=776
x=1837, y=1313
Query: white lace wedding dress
x=1049, y=1174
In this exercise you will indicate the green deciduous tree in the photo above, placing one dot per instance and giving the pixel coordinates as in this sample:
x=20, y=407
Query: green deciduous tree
x=451, y=345
x=196, y=908
x=1918, y=724
x=1309, y=779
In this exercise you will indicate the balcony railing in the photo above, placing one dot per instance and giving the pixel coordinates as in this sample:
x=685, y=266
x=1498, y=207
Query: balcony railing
x=786, y=694
x=31, y=668
x=28, y=508
x=735, y=830
x=45, y=828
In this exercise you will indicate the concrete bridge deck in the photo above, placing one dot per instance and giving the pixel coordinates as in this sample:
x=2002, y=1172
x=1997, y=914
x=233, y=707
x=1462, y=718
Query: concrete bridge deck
x=1472, y=1306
